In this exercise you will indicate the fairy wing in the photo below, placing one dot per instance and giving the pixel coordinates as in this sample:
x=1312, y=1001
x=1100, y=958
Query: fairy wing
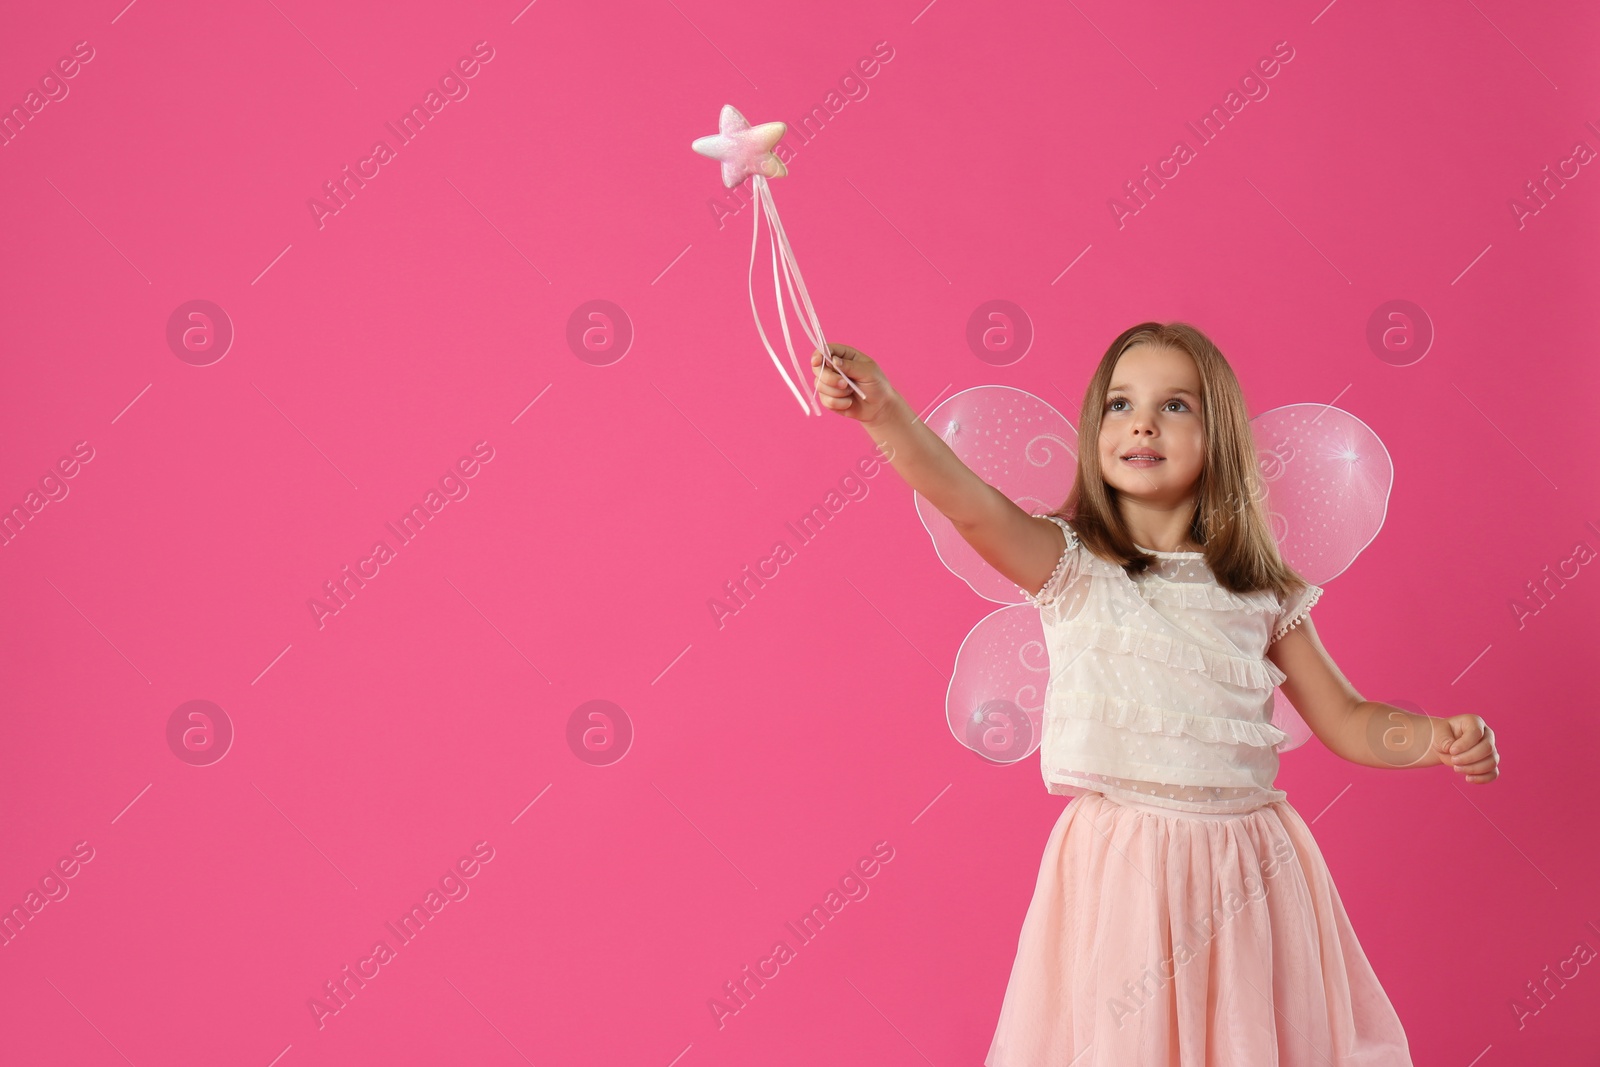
x=1017, y=443
x=1327, y=478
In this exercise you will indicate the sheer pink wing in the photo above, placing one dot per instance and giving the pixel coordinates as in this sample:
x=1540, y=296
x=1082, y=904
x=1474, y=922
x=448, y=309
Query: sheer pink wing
x=995, y=704
x=1325, y=475
x=1327, y=478
x=1017, y=443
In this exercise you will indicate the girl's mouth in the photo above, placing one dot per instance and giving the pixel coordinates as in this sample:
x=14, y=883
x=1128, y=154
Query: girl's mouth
x=1144, y=461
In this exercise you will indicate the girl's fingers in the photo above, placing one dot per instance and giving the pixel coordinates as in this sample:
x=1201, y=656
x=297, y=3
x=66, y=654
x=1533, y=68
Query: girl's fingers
x=828, y=379
x=833, y=385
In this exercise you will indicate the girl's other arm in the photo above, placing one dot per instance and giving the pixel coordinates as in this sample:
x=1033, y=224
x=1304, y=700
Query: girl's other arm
x=1020, y=546
x=1365, y=731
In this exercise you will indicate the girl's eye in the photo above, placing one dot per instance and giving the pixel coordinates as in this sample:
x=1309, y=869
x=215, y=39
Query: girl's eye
x=1123, y=400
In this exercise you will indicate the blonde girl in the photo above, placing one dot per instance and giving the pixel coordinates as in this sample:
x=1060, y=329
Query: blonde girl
x=1183, y=913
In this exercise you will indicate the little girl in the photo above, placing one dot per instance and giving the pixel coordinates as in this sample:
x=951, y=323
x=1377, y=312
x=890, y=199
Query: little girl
x=1183, y=915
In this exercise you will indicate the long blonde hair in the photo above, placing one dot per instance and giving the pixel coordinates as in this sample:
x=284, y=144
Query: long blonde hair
x=1230, y=518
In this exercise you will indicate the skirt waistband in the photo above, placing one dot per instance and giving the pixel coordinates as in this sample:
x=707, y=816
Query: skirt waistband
x=1157, y=809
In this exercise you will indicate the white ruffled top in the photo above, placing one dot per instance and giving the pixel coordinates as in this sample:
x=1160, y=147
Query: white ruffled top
x=1160, y=690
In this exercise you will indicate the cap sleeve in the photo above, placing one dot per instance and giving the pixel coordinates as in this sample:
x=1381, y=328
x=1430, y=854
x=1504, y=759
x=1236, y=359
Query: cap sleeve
x=1066, y=567
x=1295, y=609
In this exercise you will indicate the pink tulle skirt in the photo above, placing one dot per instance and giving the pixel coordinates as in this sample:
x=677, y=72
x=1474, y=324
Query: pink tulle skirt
x=1157, y=938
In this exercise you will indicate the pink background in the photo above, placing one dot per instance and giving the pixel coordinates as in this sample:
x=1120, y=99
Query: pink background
x=773, y=751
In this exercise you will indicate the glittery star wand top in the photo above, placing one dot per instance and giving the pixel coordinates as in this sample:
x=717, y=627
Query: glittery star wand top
x=745, y=151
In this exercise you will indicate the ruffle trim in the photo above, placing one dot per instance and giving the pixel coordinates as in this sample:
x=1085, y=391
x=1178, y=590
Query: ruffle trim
x=1208, y=596
x=1241, y=671
x=1300, y=614
x=1149, y=719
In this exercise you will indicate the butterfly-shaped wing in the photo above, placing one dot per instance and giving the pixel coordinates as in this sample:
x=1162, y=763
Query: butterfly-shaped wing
x=995, y=704
x=1327, y=478
x=1017, y=443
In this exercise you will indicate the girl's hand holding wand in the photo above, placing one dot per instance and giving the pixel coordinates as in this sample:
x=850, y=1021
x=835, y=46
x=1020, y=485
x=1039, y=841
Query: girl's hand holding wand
x=852, y=384
x=851, y=371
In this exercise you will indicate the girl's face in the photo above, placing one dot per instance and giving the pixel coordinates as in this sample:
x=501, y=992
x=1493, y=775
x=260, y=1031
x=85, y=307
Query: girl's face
x=1153, y=405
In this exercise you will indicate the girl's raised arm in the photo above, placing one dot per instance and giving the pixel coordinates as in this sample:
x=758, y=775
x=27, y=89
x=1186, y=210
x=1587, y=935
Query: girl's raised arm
x=1023, y=547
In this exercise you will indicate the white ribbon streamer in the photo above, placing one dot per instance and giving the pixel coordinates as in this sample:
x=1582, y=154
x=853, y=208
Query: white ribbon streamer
x=804, y=312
